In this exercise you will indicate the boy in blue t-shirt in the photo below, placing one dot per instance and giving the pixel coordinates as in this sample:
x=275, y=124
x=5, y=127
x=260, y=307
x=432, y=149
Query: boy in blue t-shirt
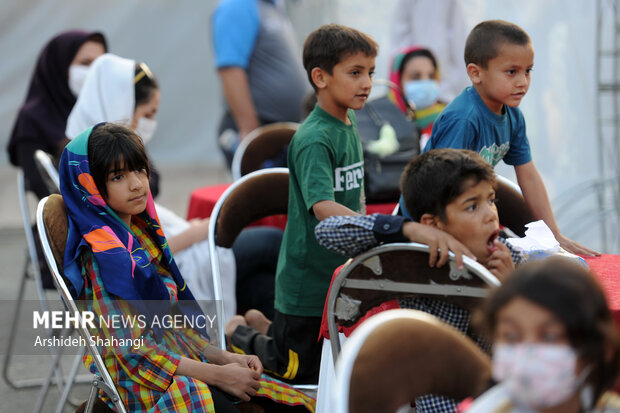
x=485, y=117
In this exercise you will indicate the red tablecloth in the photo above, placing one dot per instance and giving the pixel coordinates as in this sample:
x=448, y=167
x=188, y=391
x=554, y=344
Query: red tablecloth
x=607, y=271
x=203, y=200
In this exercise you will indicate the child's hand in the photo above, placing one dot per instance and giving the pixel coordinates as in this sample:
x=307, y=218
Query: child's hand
x=250, y=361
x=238, y=381
x=436, y=239
x=500, y=262
x=575, y=247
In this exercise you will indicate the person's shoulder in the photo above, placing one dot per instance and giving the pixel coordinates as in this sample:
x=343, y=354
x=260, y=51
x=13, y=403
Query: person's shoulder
x=311, y=131
x=235, y=12
x=461, y=107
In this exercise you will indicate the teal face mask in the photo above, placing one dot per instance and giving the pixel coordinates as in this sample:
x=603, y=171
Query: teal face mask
x=423, y=93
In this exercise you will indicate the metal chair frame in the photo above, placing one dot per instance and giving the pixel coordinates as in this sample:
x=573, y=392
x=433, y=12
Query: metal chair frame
x=32, y=269
x=215, y=266
x=101, y=381
x=414, y=319
x=382, y=283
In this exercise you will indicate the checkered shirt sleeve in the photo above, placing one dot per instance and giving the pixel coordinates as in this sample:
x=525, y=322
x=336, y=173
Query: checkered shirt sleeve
x=347, y=235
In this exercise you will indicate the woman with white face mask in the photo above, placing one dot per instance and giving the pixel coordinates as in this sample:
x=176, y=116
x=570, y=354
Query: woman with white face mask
x=119, y=90
x=555, y=343
x=41, y=121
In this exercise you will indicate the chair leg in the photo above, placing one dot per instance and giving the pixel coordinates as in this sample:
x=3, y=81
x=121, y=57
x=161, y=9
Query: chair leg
x=92, y=397
x=26, y=383
x=70, y=380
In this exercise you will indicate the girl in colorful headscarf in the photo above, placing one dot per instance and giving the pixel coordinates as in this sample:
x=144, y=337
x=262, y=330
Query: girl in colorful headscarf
x=122, y=91
x=415, y=70
x=118, y=263
x=58, y=76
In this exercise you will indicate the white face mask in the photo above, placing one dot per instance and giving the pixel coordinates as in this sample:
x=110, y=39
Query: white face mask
x=146, y=129
x=537, y=375
x=77, y=77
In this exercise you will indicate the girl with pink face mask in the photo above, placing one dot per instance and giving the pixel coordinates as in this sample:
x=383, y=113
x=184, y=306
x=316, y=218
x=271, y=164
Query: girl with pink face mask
x=556, y=346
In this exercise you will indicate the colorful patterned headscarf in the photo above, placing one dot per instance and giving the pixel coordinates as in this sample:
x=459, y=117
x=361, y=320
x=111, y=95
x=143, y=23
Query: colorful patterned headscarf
x=395, y=73
x=124, y=266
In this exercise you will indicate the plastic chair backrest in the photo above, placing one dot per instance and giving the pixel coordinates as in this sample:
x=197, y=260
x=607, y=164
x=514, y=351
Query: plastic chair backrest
x=257, y=195
x=399, y=355
x=511, y=207
x=263, y=143
x=399, y=270
x=53, y=227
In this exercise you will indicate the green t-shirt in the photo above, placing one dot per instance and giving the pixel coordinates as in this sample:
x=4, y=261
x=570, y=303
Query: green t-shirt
x=325, y=162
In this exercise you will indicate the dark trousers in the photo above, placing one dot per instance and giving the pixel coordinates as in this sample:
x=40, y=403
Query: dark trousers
x=290, y=350
x=256, y=256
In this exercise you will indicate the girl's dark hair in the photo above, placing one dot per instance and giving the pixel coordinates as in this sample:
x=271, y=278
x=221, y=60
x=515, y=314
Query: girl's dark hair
x=572, y=294
x=144, y=84
x=111, y=146
x=417, y=53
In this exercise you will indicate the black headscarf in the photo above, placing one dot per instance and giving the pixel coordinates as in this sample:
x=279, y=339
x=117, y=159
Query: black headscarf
x=43, y=116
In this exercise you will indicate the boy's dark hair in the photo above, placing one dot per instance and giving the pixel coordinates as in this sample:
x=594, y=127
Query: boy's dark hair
x=329, y=44
x=437, y=177
x=144, y=84
x=486, y=38
x=109, y=147
x=572, y=294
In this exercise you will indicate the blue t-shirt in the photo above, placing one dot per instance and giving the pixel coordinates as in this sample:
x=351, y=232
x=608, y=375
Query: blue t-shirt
x=467, y=123
x=237, y=24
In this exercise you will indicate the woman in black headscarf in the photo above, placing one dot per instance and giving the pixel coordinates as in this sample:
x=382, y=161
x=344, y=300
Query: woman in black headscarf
x=60, y=70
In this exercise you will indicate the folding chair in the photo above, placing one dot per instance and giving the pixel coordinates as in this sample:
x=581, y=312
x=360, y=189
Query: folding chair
x=263, y=143
x=53, y=226
x=256, y=195
x=31, y=270
x=399, y=270
x=398, y=355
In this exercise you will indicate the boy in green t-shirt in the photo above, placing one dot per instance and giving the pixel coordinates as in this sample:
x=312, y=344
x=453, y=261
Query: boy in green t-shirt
x=326, y=178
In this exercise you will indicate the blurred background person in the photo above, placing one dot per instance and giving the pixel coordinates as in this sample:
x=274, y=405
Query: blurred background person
x=439, y=25
x=260, y=68
x=58, y=76
x=415, y=70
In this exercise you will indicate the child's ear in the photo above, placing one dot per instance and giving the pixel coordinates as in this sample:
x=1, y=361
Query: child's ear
x=473, y=71
x=431, y=220
x=319, y=77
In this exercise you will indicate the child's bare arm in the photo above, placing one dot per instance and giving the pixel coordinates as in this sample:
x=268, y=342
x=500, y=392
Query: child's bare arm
x=326, y=209
x=537, y=200
x=198, y=230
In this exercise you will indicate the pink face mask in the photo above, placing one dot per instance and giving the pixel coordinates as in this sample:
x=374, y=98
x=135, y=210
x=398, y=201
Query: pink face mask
x=537, y=375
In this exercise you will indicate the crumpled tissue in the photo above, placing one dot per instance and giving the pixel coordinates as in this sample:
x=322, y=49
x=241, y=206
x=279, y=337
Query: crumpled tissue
x=539, y=243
